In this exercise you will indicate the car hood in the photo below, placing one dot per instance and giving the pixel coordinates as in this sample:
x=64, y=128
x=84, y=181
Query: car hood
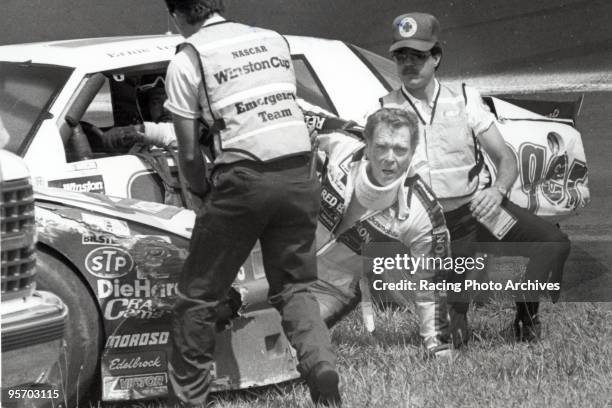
x=178, y=221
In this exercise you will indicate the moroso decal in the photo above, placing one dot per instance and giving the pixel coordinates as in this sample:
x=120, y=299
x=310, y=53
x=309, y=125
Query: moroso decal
x=109, y=262
x=89, y=184
x=137, y=339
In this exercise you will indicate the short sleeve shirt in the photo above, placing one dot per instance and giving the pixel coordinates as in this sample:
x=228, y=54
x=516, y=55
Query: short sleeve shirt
x=184, y=87
x=480, y=117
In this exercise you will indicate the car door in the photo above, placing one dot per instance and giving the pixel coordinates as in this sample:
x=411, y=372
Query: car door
x=112, y=104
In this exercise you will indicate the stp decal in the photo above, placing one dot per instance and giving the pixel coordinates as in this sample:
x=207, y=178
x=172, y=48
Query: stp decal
x=109, y=262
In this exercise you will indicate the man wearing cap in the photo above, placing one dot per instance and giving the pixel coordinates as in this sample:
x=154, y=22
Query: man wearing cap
x=455, y=127
x=263, y=187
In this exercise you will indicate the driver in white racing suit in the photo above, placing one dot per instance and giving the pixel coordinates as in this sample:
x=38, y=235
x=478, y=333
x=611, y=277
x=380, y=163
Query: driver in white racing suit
x=370, y=196
x=155, y=130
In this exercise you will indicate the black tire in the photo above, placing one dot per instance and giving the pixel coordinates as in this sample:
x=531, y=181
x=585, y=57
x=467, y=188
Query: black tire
x=84, y=327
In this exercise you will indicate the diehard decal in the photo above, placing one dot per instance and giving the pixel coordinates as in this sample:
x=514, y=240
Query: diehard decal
x=109, y=262
x=407, y=27
x=140, y=288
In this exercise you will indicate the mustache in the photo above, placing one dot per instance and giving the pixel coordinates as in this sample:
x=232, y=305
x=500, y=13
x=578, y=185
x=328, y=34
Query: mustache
x=410, y=71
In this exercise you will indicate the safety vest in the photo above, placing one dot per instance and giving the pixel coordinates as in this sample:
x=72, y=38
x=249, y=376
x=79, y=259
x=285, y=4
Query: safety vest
x=251, y=92
x=453, y=157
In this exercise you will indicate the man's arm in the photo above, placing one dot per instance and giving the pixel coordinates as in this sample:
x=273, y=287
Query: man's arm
x=158, y=134
x=486, y=202
x=191, y=160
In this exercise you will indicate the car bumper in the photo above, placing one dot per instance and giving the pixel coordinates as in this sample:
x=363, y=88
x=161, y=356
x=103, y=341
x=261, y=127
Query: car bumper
x=32, y=349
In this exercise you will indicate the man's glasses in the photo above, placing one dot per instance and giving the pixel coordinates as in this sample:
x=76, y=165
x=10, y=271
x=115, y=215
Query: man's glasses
x=414, y=57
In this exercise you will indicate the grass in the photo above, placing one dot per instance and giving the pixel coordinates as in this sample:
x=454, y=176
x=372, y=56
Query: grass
x=571, y=366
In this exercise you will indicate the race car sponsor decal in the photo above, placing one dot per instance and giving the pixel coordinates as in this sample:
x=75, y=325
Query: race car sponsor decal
x=332, y=206
x=89, y=184
x=136, y=308
x=141, y=299
x=134, y=375
x=363, y=233
x=135, y=386
x=556, y=181
x=135, y=363
x=139, y=288
x=99, y=238
x=109, y=262
x=157, y=209
x=156, y=257
x=138, y=339
x=111, y=225
x=86, y=165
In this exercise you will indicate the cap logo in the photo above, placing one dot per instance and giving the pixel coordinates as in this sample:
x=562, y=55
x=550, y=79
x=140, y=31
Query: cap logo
x=407, y=27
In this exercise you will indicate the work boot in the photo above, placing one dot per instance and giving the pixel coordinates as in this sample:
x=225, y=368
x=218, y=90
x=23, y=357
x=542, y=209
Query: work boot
x=438, y=349
x=527, y=326
x=323, y=384
x=459, y=327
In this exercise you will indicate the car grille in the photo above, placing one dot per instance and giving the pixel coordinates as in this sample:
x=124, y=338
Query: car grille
x=18, y=236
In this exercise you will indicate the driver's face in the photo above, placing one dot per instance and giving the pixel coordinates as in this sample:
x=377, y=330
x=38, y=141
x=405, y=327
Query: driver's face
x=156, y=105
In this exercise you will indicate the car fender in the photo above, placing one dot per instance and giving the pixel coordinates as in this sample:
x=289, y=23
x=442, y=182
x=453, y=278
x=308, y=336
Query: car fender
x=130, y=253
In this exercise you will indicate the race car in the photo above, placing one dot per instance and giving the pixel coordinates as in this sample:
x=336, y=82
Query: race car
x=111, y=248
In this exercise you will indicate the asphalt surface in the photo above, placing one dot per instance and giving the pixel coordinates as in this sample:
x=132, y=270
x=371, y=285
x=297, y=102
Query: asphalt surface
x=589, y=270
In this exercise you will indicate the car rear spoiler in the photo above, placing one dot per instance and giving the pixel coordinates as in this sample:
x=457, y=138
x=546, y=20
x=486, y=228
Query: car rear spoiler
x=564, y=111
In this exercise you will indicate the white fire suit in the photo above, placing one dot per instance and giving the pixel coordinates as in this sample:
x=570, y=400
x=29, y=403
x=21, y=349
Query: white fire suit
x=415, y=220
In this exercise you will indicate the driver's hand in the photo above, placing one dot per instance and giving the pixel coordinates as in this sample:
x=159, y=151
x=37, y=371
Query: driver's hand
x=122, y=137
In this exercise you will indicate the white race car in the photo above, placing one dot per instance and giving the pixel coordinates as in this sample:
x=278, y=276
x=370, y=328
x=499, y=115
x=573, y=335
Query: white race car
x=113, y=257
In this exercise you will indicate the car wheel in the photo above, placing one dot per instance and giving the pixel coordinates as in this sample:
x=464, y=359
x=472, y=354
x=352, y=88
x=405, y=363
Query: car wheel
x=84, y=330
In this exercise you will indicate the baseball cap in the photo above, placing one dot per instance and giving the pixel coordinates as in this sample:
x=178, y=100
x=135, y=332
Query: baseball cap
x=415, y=30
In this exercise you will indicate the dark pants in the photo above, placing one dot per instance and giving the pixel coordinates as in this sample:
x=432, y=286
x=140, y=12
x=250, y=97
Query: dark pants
x=547, y=252
x=274, y=202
